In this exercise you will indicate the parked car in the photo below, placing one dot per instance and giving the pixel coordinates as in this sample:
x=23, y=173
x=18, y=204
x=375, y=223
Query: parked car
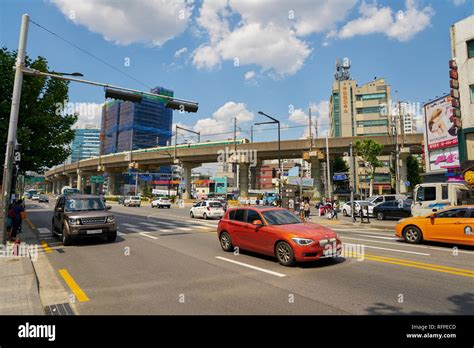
x=132, y=201
x=393, y=210
x=77, y=216
x=453, y=225
x=161, y=203
x=276, y=232
x=35, y=197
x=347, y=208
x=222, y=201
x=377, y=199
x=43, y=199
x=207, y=209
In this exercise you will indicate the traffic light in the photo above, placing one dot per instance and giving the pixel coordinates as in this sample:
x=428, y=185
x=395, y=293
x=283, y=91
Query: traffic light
x=182, y=105
x=122, y=95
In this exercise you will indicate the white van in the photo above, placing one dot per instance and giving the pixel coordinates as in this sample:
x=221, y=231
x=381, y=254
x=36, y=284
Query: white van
x=431, y=197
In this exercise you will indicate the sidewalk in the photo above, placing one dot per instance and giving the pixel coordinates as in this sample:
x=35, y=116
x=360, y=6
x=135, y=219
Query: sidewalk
x=19, y=294
x=347, y=221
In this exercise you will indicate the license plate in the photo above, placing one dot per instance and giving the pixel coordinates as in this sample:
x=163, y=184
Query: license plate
x=94, y=231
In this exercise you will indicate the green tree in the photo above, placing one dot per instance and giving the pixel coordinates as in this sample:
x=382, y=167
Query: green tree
x=369, y=150
x=44, y=131
x=413, y=172
x=339, y=165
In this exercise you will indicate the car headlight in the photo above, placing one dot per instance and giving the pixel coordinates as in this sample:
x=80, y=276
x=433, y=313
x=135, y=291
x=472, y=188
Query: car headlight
x=111, y=219
x=302, y=241
x=74, y=221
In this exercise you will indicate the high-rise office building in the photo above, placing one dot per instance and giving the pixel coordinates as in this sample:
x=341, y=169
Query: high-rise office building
x=361, y=111
x=86, y=143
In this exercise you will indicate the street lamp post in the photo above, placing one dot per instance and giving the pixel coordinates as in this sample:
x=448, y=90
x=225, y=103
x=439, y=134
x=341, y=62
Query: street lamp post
x=280, y=171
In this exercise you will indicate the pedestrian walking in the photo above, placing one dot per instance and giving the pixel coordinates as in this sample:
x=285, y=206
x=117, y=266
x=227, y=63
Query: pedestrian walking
x=247, y=202
x=335, y=207
x=307, y=209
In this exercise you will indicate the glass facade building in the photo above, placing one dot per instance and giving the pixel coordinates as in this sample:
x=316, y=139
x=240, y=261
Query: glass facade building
x=86, y=144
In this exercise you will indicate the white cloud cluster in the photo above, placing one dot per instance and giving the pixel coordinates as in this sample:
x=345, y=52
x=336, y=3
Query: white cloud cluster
x=88, y=114
x=319, y=116
x=180, y=52
x=124, y=22
x=222, y=119
x=401, y=26
x=269, y=35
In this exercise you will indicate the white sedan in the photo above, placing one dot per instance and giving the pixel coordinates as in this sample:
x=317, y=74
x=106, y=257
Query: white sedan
x=207, y=209
x=347, y=208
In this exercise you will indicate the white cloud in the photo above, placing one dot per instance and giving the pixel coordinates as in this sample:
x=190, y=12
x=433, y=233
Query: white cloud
x=298, y=116
x=401, y=26
x=124, y=22
x=268, y=36
x=180, y=51
x=459, y=2
x=88, y=113
x=249, y=75
x=321, y=113
x=229, y=110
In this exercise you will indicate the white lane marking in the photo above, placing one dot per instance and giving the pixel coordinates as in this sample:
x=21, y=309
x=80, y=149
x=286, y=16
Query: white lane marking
x=128, y=225
x=120, y=234
x=397, y=250
x=145, y=234
x=448, y=249
x=44, y=230
x=184, y=228
x=250, y=266
x=136, y=230
x=147, y=224
x=379, y=237
x=202, y=227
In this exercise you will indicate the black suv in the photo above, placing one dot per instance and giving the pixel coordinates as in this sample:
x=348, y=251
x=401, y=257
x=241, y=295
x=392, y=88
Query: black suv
x=77, y=216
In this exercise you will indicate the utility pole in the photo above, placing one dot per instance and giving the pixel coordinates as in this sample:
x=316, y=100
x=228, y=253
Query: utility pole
x=316, y=128
x=328, y=169
x=309, y=129
x=251, y=133
x=13, y=125
x=397, y=149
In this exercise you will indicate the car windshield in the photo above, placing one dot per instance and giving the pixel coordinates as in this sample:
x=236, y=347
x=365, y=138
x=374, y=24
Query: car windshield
x=215, y=204
x=84, y=204
x=135, y=197
x=280, y=217
x=366, y=203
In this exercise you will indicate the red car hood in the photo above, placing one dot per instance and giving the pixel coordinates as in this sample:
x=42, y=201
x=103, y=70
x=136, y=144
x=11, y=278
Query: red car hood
x=307, y=230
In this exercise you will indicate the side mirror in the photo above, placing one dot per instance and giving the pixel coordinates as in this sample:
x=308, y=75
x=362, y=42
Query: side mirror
x=434, y=210
x=257, y=223
x=432, y=216
x=108, y=207
x=59, y=209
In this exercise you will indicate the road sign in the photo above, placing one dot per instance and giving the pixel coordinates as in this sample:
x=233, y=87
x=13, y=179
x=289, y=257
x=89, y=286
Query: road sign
x=339, y=177
x=98, y=179
x=407, y=183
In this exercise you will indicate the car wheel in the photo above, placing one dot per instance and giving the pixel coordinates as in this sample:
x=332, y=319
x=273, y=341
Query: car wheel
x=226, y=241
x=344, y=212
x=65, y=238
x=412, y=234
x=284, y=253
x=112, y=237
x=169, y=206
x=380, y=216
x=191, y=214
x=204, y=216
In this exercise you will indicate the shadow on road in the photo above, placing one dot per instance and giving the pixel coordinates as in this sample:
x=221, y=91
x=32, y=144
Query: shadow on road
x=464, y=305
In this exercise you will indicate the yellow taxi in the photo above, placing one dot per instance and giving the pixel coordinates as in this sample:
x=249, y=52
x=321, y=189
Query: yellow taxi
x=453, y=225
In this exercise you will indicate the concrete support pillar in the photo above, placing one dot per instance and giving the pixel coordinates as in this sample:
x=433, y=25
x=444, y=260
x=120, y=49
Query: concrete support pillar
x=93, y=188
x=316, y=176
x=71, y=180
x=244, y=179
x=187, y=168
x=54, y=187
x=403, y=171
x=79, y=181
x=111, y=184
x=254, y=175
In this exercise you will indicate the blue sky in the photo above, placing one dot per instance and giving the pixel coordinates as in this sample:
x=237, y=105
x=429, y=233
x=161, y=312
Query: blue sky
x=287, y=50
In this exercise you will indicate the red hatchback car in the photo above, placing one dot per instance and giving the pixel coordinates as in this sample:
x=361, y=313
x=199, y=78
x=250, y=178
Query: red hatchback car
x=276, y=232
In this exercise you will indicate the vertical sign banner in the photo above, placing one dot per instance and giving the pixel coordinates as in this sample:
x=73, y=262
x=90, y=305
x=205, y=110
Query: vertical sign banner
x=440, y=126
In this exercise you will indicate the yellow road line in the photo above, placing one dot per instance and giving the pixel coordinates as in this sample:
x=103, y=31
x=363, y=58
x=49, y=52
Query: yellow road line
x=424, y=264
x=406, y=264
x=46, y=247
x=76, y=289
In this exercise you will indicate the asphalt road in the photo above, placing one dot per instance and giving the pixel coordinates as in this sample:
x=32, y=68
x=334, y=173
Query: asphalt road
x=164, y=262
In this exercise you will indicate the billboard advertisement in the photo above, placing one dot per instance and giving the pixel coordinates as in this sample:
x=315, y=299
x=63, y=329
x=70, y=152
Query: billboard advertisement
x=440, y=126
x=441, y=160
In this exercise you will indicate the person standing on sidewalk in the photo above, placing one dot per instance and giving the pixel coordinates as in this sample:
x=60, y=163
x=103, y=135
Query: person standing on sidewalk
x=307, y=209
x=15, y=214
x=335, y=207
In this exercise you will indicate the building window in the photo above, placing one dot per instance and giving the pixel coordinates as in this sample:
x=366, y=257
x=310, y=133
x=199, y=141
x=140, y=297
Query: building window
x=372, y=123
x=470, y=48
x=369, y=110
x=471, y=87
x=371, y=96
